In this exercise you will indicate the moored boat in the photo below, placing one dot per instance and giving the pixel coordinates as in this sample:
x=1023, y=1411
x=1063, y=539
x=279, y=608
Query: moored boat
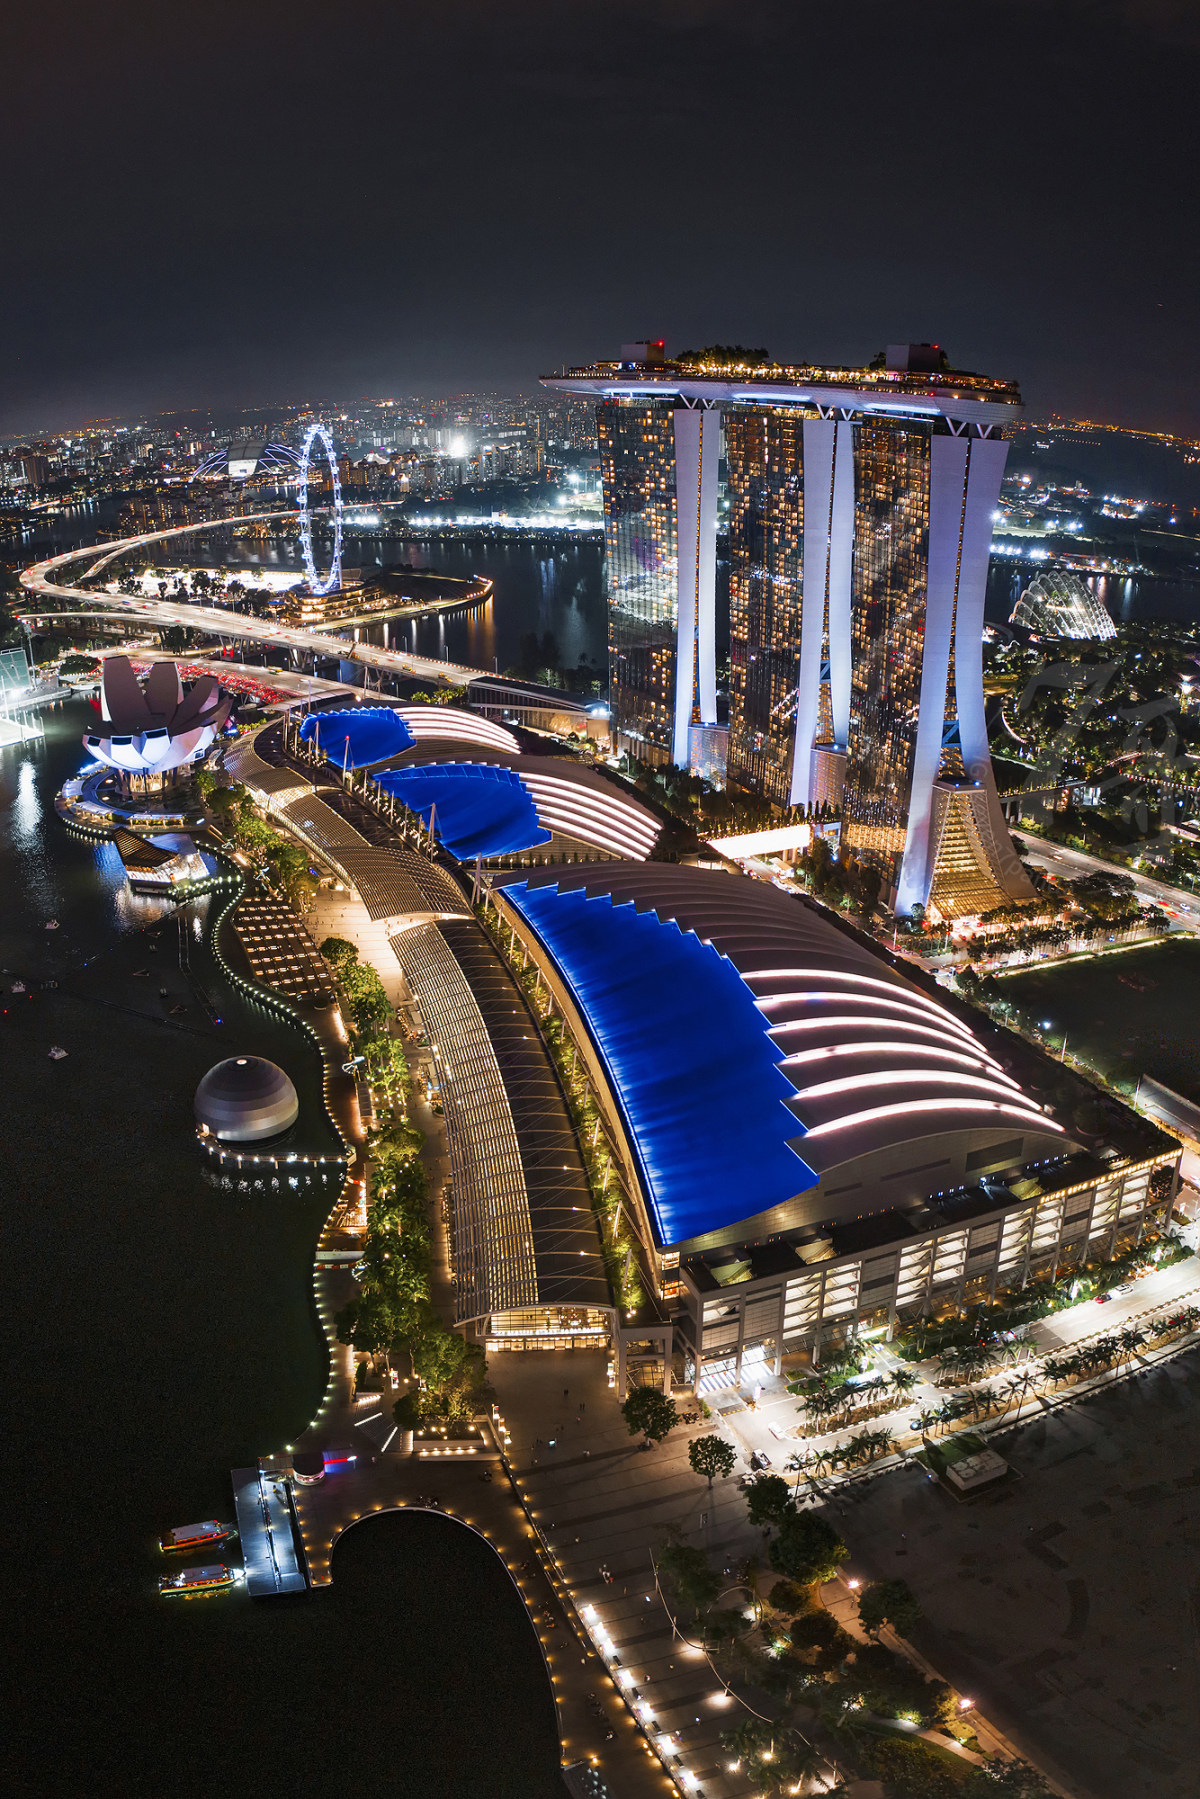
x=198, y=1536
x=199, y=1580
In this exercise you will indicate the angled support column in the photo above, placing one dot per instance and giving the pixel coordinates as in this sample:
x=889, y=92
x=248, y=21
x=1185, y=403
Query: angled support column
x=985, y=471
x=947, y=503
x=697, y=457
x=841, y=559
x=825, y=595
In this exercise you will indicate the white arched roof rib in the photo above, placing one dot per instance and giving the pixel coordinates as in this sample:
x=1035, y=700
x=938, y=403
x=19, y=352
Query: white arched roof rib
x=986, y=1108
x=590, y=829
x=873, y=1004
x=913, y=1078
x=427, y=722
x=932, y=1051
x=596, y=817
x=584, y=803
x=920, y=1000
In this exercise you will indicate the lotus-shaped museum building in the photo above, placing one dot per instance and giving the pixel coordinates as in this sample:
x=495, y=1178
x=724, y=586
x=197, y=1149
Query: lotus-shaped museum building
x=155, y=730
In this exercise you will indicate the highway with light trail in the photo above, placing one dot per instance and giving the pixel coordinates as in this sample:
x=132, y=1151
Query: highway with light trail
x=45, y=580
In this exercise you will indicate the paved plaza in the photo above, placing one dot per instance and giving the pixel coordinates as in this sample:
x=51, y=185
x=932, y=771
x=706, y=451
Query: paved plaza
x=604, y=1503
x=1068, y=1602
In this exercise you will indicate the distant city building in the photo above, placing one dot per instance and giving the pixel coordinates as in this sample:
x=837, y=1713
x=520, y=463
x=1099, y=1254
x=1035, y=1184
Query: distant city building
x=1058, y=603
x=860, y=512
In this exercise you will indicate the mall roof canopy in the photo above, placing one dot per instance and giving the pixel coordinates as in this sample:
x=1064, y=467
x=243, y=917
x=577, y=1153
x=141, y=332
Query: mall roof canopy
x=474, y=808
x=572, y=800
x=358, y=736
x=772, y=1069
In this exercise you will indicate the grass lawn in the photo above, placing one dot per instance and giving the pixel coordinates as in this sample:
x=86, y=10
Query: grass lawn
x=1127, y=1015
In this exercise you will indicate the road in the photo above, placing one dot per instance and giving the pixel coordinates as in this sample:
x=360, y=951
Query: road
x=40, y=581
x=1072, y=864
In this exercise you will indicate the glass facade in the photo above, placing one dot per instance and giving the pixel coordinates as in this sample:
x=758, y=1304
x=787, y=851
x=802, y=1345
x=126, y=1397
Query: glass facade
x=764, y=449
x=637, y=456
x=891, y=554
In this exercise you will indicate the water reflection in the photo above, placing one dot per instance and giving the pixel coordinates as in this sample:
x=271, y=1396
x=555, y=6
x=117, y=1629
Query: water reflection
x=27, y=809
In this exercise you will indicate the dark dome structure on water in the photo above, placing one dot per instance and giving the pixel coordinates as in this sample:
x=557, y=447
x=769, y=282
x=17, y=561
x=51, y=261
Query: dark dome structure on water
x=246, y=1099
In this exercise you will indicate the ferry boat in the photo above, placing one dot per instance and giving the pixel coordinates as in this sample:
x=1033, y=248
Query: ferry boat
x=198, y=1536
x=199, y=1580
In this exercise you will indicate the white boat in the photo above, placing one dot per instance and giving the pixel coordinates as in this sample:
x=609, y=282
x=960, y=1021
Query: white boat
x=57, y=1053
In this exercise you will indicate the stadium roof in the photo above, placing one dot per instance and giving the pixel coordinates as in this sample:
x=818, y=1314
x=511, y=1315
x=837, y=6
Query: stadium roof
x=754, y=998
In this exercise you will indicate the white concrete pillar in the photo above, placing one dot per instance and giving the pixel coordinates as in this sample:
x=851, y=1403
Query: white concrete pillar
x=825, y=591
x=947, y=500
x=697, y=456
x=985, y=471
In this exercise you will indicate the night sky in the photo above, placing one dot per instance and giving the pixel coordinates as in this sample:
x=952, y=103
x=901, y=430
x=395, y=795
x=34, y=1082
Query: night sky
x=252, y=202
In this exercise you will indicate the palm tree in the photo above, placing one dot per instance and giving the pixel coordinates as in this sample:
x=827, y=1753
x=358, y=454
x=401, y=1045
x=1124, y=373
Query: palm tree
x=984, y=1399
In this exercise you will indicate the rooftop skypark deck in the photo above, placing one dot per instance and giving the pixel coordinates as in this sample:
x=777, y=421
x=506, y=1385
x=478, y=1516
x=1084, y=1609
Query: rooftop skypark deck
x=953, y=393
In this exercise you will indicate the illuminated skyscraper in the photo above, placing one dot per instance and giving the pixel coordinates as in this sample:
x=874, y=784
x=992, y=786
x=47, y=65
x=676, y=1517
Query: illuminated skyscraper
x=765, y=471
x=861, y=503
x=659, y=460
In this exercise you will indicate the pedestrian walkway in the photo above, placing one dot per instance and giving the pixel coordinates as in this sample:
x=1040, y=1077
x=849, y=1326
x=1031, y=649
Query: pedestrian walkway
x=595, y=1725
x=265, y=1532
x=603, y=1505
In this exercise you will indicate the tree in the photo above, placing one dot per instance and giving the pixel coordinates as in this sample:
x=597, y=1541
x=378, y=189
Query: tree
x=368, y=1322
x=821, y=1640
x=999, y=1779
x=407, y=1412
x=888, y=1602
x=913, y=1769
x=807, y=1549
x=339, y=953
x=711, y=1456
x=768, y=1500
x=651, y=1412
x=687, y=1572
x=437, y=1353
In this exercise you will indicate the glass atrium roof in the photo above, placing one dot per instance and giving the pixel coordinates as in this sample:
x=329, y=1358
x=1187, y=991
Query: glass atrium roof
x=359, y=736
x=689, y=1056
x=477, y=808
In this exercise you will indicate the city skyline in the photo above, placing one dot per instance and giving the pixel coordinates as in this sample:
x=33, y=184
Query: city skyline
x=1046, y=235
x=600, y=840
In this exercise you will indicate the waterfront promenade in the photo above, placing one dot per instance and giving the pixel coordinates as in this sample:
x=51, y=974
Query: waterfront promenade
x=595, y=1726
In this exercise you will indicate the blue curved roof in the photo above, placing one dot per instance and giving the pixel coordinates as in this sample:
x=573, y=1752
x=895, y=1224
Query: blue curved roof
x=477, y=809
x=688, y=1054
x=373, y=733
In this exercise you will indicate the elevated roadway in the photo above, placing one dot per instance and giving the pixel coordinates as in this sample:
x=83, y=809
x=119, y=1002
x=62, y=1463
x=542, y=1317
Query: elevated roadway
x=1072, y=865
x=49, y=580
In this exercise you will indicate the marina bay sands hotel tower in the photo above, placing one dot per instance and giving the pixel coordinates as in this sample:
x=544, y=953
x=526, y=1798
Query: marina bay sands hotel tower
x=860, y=520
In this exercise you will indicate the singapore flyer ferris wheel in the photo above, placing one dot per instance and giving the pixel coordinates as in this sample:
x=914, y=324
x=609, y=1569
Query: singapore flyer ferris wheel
x=334, y=578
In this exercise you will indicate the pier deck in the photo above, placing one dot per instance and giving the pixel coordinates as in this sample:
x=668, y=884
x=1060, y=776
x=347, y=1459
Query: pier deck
x=267, y=1539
